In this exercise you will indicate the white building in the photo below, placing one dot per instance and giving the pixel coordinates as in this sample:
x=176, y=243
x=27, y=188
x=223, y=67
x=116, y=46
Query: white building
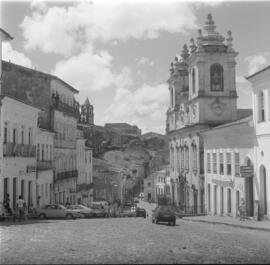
x=18, y=128
x=261, y=117
x=229, y=160
x=84, y=187
x=45, y=166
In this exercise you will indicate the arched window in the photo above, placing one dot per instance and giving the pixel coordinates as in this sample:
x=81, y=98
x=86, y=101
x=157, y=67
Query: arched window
x=193, y=81
x=216, y=75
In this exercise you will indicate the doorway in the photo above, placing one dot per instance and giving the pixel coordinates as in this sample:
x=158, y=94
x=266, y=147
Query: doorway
x=263, y=192
x=14, y=193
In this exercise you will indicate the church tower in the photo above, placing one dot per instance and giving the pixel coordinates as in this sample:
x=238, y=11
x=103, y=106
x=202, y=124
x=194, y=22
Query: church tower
x=212, y=91
x=87, y=113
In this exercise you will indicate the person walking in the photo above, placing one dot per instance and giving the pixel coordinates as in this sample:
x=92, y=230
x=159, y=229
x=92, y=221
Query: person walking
x=6, y=203
x=106, y=210
x=242, y=209
x=20, y=207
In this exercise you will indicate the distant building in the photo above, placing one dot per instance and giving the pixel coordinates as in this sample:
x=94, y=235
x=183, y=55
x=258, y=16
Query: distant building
x=261, y=117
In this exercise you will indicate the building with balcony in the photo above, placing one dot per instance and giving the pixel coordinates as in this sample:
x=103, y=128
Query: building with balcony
x=84, y=186
x=18, y=170
x=261, y=117
x=202, y=95
x=229, y=168
x=45, y=166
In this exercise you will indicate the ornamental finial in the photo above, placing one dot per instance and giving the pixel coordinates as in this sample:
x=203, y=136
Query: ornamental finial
x=229, y=40
x=192, y=45
x=185, y=53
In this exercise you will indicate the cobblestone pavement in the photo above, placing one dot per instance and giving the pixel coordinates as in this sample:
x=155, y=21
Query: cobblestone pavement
x=130, y=240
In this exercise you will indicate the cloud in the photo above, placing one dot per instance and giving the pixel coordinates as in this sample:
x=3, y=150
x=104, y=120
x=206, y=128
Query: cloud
x=38, y=5
x=9, y=54
x=256, y=62
x=145, y=61
x=92, y=71
x=145, y=106
x=65, y=30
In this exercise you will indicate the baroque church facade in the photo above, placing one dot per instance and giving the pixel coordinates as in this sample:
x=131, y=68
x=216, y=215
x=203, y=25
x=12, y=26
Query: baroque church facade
x=202, y=95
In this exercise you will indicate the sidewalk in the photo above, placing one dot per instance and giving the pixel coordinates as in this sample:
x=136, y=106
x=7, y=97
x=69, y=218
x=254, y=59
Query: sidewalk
x=249, y=224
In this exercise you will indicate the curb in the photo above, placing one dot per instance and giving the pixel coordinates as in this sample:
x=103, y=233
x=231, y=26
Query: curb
x=234, y=225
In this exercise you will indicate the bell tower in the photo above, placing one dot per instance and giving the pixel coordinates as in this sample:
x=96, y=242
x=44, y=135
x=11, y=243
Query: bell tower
x=87, y=113
x=212, y=90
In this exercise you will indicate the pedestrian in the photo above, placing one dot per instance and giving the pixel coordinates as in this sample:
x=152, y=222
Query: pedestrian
x=6, y=203
x=106, y=210
x=242, y=209
x=20, y=207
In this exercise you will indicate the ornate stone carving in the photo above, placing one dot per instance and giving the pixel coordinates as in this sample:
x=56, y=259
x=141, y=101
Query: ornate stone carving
x=217, y=107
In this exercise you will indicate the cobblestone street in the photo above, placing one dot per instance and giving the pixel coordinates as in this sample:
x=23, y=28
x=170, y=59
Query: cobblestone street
x=130, y=240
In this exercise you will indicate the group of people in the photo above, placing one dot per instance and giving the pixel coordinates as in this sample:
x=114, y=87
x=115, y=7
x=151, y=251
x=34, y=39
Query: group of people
x=20, y=207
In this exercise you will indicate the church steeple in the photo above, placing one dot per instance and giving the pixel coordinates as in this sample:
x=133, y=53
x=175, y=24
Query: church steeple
x=87, y=113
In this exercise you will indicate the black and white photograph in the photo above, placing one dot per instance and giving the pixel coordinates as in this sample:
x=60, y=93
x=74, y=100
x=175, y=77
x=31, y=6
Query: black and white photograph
x=134, y=132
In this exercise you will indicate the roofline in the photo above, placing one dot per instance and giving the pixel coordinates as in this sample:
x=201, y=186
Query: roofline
x=46, y=74
x=234, y=123
x=16, y=99
x=6, y=34
x=256, y=73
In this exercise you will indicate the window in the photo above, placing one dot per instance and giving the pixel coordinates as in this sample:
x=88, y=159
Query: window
x=193, y=81
x=42, y=152
x=41, y=189
x=22, y=135
x=221, y=164
x=38, y=150
x=149, y=184
x=47, y=152
x=14, y=135
x=46, y=189
x=182, y=158
x=229, y=201
x=261, y=105
x=215, y=163
x=29, y=136
x=208, y=162
x=237, y=164
x=178, y=158
x=216, y=77
x=51, y=150
x=5, y=134
x=194, y=149
x=229, y=163
x=186, y=158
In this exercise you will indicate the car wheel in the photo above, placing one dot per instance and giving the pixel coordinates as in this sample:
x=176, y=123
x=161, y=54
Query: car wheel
x=156, y=221
x=69, y=216
x=42, y=216
x=173, y=223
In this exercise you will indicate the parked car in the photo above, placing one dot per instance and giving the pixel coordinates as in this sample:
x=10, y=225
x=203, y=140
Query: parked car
x=141, y=195
x=164, y=213
x=56, y=211
x=83, y=210
x=98, y=210
x=128, y=211
x=140, y=212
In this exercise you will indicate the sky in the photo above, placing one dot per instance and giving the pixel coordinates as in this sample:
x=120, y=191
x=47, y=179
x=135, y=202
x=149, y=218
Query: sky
x=118, y=53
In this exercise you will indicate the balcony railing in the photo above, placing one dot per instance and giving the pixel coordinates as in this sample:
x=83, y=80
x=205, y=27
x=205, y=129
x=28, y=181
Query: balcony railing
x=19, y=150
x=64, y=107
x=45, y=165
x=67, y=175
x=85, y=186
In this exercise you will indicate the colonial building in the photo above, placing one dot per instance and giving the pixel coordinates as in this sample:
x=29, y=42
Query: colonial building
x=45, y=166
x=229, y=160
x=18, y=128
x=261, y=118
x=157, y=186
x=202, y=96
x=84, y=187
x=59, y=113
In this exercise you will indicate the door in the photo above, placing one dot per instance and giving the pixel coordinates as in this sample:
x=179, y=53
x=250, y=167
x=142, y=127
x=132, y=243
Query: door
x=249, y=196
x=221, y=200
x=29, y=193
x=215, y=199
x=14, y=193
